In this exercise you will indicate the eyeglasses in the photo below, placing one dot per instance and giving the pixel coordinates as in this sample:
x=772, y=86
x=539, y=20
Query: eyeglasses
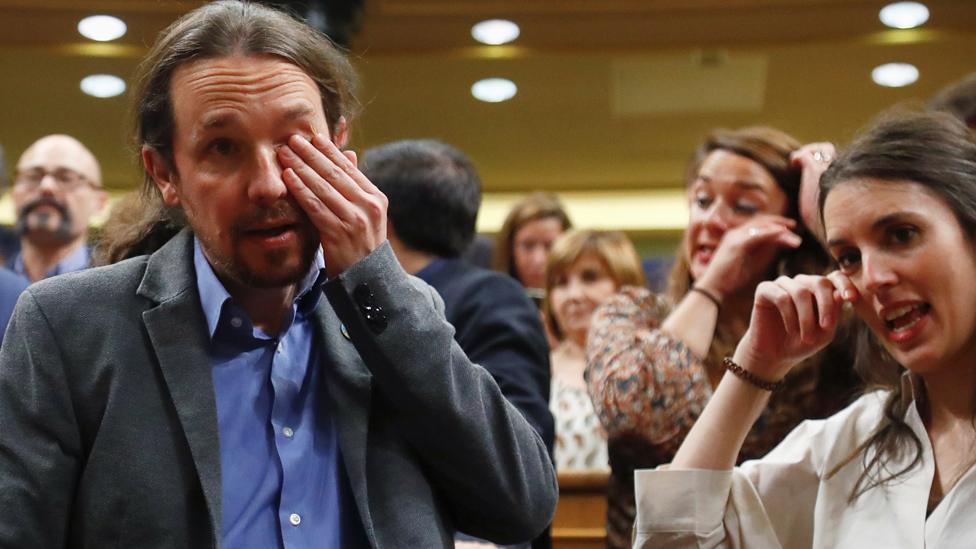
x=65, y=178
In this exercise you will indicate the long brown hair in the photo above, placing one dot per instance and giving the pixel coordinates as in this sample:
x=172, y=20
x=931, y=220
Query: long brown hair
x=770, y=148
x=539, y=205
x=938, y=152
x=219, y=29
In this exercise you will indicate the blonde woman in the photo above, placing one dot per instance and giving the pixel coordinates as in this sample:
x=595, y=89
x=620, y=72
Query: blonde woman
x=584, y=269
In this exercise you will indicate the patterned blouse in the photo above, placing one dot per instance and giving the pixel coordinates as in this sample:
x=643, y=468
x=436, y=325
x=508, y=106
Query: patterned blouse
x=648, y=389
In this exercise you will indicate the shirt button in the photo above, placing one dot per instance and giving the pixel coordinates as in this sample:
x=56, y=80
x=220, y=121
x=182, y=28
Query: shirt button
x=280, y=349
x=236, y=322
x=295, y=519
x=288, y=432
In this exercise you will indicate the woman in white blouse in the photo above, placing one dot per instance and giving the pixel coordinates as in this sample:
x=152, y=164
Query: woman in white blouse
x=895, y=468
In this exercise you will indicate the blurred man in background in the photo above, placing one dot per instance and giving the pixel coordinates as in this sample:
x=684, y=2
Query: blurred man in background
x=434, y=196
x=57, y=188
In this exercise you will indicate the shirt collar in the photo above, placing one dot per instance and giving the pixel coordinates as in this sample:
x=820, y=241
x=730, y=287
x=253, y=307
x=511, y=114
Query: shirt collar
x=77, y=260
x=213, y=295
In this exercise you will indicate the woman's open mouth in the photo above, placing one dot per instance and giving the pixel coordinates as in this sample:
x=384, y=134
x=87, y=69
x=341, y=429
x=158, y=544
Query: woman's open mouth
x=906, y=321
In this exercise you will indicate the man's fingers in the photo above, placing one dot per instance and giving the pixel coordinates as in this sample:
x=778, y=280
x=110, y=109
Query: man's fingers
x=349, y=165
x=309, y=201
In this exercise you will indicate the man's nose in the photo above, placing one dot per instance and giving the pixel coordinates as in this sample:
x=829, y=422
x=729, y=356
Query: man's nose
x=266, y=185
x=48, y=185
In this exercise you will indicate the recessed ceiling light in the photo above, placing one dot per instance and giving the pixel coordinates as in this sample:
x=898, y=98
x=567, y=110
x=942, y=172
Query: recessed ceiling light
x=494, y=90
x=894, y=75
x=495, y=32
x=904, y=15
x=103, y=85
x=102, y=27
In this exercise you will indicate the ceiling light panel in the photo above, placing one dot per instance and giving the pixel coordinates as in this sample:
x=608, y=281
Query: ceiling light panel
x=494, y=90
x=894, y=75
x=495, y=32
x=904, y=15
x=102, y=28
x=103, y=85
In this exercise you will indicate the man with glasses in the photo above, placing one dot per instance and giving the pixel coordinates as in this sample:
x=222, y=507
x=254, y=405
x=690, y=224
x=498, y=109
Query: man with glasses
x=57, y=188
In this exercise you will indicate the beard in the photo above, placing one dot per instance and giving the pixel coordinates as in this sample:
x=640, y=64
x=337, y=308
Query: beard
x=33, y=223
x=274, y=268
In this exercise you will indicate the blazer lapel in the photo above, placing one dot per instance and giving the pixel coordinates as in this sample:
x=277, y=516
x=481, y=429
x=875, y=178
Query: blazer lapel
x=178, y=332
x=348, y=386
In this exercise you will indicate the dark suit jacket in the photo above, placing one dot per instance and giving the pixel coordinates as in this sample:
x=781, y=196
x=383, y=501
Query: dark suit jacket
x=10, y=287
x=498, y=327
x=108, y=425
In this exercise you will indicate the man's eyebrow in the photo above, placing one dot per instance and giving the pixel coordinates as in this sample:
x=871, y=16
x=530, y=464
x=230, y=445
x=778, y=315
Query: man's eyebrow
x=222, y=120
x=299, y=112
x=217, y=121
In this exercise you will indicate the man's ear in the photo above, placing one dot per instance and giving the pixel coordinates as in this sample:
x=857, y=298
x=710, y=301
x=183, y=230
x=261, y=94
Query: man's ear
x=162, y=174
x=340, y=133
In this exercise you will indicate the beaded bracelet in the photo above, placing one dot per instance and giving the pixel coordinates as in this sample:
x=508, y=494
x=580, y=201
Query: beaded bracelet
x=711, y=297
x=750, y=377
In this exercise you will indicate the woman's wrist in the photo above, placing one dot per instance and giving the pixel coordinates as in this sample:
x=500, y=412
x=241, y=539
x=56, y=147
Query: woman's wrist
x=759, y=368
x=708, y=294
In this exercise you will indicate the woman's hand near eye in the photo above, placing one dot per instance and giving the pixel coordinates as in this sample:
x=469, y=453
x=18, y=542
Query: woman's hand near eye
x=746, y=252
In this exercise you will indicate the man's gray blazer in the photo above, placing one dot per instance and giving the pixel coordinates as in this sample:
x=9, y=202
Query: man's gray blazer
x=108, y=425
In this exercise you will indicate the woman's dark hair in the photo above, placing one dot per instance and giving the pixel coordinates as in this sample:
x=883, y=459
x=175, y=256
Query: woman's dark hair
x=937, y=152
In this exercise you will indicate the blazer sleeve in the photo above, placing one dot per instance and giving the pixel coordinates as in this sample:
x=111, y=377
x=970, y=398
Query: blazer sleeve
x=498, y=327
x=481, y=455
x=40, y=444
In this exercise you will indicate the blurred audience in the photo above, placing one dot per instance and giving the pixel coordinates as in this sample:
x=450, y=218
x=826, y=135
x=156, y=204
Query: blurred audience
x=654, y=360
x=523, y=243
x=434, y=196
x=585, y=268
x=57, y=189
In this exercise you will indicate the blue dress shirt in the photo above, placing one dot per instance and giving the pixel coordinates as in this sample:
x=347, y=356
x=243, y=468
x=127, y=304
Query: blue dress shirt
x=282, y=480
x=10, y=287
x=77, y=260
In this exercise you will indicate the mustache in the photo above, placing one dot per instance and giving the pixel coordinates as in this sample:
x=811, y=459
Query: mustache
x=283, y=212
x=61, y=232
x=44, y=201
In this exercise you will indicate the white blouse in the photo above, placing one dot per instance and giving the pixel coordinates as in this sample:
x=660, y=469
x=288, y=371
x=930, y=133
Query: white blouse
x=581, y=444
x=784, y=500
